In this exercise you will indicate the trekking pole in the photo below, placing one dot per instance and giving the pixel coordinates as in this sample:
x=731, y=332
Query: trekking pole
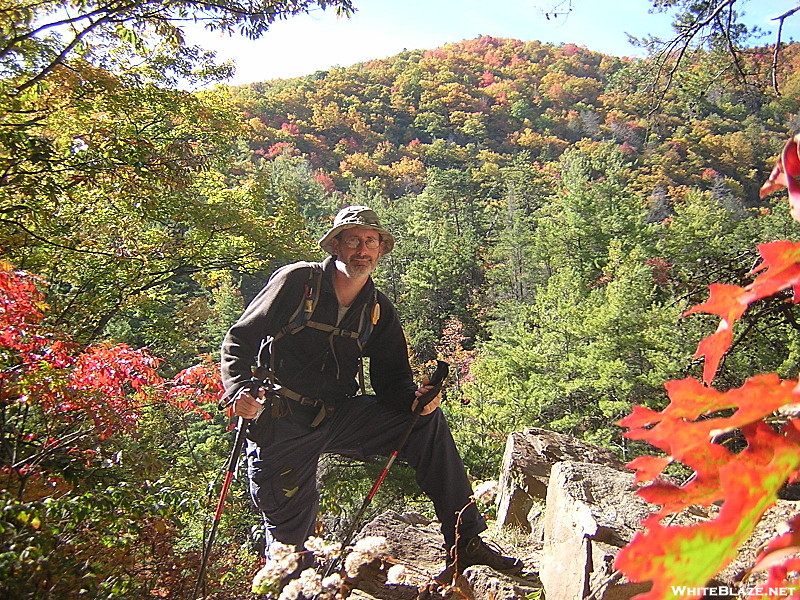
x=230, y=472
x=435, y=380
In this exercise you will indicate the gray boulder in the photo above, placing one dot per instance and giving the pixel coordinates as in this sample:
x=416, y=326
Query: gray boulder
x=525, y=472
x=591, y=513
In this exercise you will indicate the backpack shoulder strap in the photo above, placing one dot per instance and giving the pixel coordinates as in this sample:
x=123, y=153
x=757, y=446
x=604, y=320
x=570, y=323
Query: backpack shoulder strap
x=301, y=317
x=370, y=315
x=308, y=302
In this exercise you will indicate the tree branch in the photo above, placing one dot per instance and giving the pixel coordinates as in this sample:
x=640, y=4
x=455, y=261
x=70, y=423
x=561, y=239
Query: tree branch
x=777, y=51
x=44, y=72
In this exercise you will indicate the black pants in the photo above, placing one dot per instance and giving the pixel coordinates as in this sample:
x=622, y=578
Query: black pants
x=283, y=454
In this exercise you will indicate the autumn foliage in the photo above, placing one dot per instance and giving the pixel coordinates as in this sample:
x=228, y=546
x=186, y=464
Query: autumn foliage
x=688, y=431
x=71, y=521
x=100, y=389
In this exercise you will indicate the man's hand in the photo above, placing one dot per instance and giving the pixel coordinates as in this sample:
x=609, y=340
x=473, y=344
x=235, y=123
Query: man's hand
x=433, y=404
x=246, y=406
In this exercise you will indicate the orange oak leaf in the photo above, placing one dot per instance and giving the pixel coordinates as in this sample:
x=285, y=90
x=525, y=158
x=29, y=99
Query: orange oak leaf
x=687, y=421
x=758, y=398
x=729, y=302
x=781, y=270
x=703, y=488
x=676, y=437
x=690, y=399
x=786, y=174
x=781, y=266
x=713, y=348
x=640, y=416
x=686, y=429
x=782, y=547
x=648, y=467
x=677, y=559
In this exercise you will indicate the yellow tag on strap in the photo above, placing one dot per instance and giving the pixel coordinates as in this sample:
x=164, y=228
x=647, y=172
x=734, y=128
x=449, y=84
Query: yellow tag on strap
x=376, y=313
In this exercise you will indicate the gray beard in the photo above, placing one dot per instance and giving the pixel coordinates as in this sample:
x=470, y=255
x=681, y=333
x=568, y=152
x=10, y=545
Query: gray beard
x=357, y=270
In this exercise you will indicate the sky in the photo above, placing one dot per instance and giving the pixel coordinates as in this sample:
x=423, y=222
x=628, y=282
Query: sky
x=305, y=44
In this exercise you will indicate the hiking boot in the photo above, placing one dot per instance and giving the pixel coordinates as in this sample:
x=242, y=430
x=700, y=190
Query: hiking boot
x=477, y=552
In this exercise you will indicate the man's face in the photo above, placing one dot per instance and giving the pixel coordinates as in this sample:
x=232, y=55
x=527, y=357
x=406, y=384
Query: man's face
x=351, y=250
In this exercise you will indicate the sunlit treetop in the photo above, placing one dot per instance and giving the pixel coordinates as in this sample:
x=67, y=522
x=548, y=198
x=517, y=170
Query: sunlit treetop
x=39, y=36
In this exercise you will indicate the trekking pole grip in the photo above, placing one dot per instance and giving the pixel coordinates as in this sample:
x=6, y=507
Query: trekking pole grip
x=435, y=379
x=442, y=369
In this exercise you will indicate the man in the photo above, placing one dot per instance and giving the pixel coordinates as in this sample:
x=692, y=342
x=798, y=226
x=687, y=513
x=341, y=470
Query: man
x=311, y=361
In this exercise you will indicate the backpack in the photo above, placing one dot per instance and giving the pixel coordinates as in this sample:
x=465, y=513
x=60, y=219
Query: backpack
x=301, y=318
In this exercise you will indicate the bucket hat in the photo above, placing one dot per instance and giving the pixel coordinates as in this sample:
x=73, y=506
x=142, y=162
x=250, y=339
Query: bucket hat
x=356, y=216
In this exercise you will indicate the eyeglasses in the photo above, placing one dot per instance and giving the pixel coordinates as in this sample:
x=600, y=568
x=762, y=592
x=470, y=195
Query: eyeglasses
x=354, y=242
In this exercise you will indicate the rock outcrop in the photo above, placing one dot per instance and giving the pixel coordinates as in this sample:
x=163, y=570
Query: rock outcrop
x=525, y=472
x=416, y=543
x=591, y=513
x=572, y=506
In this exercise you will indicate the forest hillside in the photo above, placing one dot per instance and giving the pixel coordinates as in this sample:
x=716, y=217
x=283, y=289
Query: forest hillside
x=556, y=212
x=553, y=221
